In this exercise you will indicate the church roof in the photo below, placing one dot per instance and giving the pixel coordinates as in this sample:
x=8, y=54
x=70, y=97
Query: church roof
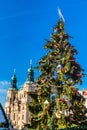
x=3, y=118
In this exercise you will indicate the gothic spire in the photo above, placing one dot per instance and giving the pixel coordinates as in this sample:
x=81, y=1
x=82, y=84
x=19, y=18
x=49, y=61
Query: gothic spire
x=13, y=85
x=30, y=74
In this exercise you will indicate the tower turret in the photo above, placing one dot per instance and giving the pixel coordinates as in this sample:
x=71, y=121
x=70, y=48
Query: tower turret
x=30, y=74
x=13, y=85
x=12, y=99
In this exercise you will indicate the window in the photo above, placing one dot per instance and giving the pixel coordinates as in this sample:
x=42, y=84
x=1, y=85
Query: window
x=24, y=94
x=7, y=98
x=14, y=116
x=13, y=98
x=19, y=118
x=10, y=100
x=22, y=117
x=23, y=108
x=8, y=116
x=19, y=108
x=9, y=109
x=20, y=96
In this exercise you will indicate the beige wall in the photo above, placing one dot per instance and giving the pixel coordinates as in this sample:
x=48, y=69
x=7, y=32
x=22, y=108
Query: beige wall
x=17, y=110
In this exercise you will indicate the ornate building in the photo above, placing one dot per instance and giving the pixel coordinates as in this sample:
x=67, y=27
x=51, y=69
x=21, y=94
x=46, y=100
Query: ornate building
x=16, y=102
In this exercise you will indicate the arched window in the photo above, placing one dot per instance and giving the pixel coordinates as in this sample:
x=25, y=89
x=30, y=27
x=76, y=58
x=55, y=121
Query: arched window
x=14, y=116
x=22, y=117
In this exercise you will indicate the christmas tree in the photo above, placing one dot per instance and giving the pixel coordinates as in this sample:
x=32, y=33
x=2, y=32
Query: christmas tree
x=56, y=102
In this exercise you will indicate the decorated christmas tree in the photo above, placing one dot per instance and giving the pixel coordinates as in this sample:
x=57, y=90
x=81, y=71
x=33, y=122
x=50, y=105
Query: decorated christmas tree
x=56, y=102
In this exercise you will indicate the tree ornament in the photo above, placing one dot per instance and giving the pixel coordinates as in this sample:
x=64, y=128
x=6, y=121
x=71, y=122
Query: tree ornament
x=58, y=115
x=59, y=88
x=66, y=36
x=68, y=103
x=46, y=105
x=53, y=96
x=60, y=100
x=60, y=112
x=50, y=57
x=71, y=119
x=66, y=69
x=43, y=81
x=71, y=112
x=63, y=60
x=60, y=76
x=66, y=112
x=54, y=42
x=65, y=41
x=59, y=68
x=64, y=97
x=60, y=25
x=39, y=93
x=55, y=30
x=55, y=46
x=39, y=99
x=61, y=36
x=67, y=81
x=79, y=75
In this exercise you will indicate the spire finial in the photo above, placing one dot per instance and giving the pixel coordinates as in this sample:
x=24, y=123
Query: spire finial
x=60, y=14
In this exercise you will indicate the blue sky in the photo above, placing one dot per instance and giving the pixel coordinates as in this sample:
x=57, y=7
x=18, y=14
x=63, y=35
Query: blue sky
x=24, y=26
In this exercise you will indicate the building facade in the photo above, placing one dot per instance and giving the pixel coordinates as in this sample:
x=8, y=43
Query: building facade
x=16, y=107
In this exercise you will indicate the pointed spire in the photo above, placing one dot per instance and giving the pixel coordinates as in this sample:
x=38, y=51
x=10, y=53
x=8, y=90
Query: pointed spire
x=13, y=85
x=30, y=75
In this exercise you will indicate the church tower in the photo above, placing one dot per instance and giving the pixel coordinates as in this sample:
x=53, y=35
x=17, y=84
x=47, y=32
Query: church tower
x=13, y=85
x=30, y=74
x=18, y=100
x=11, y=100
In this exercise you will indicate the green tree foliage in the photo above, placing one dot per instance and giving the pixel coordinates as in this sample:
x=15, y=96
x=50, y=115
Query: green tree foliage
x=56, y=103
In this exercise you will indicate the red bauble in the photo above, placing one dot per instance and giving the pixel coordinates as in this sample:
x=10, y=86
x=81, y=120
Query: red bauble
x=78, y=119
x=60, y=100
x=61, y=36
x=66, y=36
x=43, y=80
x=79, y=75
x=71, y=119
